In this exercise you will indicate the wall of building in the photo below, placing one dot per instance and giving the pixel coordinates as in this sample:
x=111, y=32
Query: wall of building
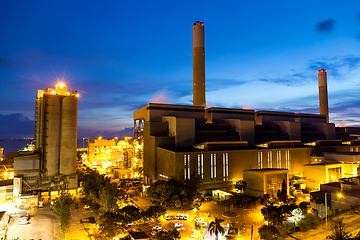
x=182, y=129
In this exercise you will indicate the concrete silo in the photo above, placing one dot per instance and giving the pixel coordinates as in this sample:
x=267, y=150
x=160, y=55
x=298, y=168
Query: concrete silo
x=52, y=134
x=56, y=131
x=68, y=134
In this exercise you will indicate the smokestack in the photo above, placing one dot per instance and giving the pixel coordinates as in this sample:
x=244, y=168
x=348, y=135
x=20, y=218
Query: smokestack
x=323, y=94
x=199, y=64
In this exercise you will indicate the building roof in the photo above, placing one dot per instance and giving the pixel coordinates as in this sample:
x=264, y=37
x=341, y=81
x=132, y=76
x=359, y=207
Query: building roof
x=266, y=170
x=139, y=235
x=324, y=163
x=6, y=182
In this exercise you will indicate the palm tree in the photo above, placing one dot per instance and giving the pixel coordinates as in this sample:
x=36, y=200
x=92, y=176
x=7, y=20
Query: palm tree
x=216, y=228
x=199, y=229
x=339, y=231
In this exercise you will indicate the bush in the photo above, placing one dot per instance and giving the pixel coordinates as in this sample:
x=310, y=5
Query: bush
x=309, y=221
x=268, y=232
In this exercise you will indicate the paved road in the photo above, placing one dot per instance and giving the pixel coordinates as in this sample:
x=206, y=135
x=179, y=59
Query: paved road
x=42, y=225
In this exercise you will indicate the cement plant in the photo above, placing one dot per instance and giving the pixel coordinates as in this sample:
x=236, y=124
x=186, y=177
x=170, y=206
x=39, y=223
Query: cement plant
x=240, y=161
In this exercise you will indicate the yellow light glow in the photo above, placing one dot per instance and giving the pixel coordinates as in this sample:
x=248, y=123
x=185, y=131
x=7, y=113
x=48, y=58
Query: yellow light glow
x=339, y=195
x=77, y=95
x=53, y=92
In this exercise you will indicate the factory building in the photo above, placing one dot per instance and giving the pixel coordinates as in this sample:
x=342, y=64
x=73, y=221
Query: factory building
x=223, y=144
x=53, y=162
x=220, y=143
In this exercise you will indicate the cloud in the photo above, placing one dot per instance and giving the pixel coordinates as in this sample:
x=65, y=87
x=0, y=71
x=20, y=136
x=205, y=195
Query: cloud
x=4, y=62
x=16, y=125
x=85, y=132
x=325, y=26
x=337, y=66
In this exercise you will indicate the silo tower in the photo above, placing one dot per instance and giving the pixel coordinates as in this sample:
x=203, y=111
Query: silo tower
x=56, y=130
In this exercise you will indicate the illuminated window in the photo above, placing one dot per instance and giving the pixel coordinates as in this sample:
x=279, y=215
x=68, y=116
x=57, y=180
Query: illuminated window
x=225, y=166
x=187, y=167
x=351, y=149
x=213, y=165
x=269, y=159
x=201, y=165
x=278, y=154
x=287, y=159
x=260, y=160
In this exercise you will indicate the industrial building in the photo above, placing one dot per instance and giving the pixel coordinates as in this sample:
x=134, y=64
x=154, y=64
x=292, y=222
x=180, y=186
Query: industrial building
x=223, y=144
x=52, y=164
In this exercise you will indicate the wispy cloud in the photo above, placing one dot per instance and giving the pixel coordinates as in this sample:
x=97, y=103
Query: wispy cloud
x=326, y=25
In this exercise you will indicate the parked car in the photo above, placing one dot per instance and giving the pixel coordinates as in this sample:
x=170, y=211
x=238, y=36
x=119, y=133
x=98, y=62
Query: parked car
x=180, y=228
x=24, y=220
x=186, y=216
x=157, y=227
x=178, y=216
x=167, y=217
x=198, y=219
x=178, y=224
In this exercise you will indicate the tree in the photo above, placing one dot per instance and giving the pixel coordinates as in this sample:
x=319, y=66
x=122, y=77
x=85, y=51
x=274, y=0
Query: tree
x=173, y=193
x=339, y=231
x=268, y=232
x=241, y=185
x=273, y=214
x=304, y=206
x=110, y=225
x=107, y=198
x=153, y=212
x=265, y=199
x=168, y=235
x=216, y=228
x=9, y=158
x=62, y=208
x=198, y=228
x=282, y=194
x=309, y=221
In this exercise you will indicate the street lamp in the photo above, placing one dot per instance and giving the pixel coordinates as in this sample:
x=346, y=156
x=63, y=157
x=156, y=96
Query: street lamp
x=326, y=214
x=83, y=145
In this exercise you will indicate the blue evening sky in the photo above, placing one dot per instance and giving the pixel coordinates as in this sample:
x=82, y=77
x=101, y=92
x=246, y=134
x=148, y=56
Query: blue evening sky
x=120, y=55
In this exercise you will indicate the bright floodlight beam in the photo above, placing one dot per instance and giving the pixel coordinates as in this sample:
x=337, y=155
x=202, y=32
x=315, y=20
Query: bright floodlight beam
x=199, y=64
x=323, y=94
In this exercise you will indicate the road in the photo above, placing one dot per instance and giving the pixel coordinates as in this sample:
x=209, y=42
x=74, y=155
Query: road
x=42, y=225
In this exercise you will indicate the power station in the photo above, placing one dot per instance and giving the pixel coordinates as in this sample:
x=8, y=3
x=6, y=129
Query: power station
x=226, y=145
x=52, y=164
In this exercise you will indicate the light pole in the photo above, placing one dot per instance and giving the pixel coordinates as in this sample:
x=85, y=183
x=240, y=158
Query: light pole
x=326, y=214
x=83, y=145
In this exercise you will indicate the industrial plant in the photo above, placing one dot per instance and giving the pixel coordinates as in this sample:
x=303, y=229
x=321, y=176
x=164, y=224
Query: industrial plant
x=52, y=164
x=225, y=145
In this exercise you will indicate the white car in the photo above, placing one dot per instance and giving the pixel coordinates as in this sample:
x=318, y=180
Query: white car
x=23, y=221
x=157, y=227
x=178, y=224
x=198, y=219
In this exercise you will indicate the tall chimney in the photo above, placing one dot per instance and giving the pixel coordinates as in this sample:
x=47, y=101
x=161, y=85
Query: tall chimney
x=198, y=64
x=323, y=94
